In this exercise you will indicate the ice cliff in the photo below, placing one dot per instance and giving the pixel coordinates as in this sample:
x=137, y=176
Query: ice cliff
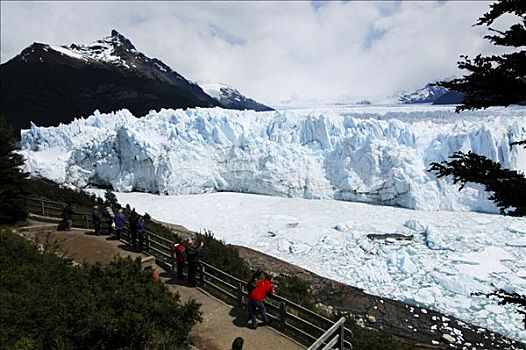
x=369, y=154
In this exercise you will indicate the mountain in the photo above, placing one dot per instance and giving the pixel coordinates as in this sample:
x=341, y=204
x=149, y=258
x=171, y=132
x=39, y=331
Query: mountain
x=450, y=98
x=231, y=98
x=51, y=84
x=427, y=94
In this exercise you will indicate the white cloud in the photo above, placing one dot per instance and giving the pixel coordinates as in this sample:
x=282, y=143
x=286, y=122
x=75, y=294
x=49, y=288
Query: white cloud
x=272, y=50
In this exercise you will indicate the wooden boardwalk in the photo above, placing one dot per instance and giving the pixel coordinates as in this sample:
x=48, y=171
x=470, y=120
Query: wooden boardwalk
x=221, y=323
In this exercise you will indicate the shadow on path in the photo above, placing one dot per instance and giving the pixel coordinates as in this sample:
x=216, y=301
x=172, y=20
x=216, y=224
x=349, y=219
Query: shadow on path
x=240, y=317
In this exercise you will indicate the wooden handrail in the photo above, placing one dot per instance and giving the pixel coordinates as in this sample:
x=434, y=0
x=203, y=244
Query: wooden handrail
x=235, y=288
x=329, y=333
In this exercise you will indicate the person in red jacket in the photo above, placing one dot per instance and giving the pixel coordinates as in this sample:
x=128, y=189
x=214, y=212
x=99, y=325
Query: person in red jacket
x=178, y=256
x=256, y=301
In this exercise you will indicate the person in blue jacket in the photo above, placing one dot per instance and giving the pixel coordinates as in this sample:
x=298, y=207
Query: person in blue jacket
x=120, y=223
x=141, y=231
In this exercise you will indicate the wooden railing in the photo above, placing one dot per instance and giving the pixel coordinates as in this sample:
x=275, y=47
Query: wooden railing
x=336, y=338
x=298, y=322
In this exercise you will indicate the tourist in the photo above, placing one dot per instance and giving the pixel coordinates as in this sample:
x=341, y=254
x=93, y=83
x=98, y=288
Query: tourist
x=256, y=301
x=120, y=223
x=141, y=231
x=193, y=252
x=134, y=217
x=67, y=213
x=96, y=216
x=178, y=252
x=110, y=216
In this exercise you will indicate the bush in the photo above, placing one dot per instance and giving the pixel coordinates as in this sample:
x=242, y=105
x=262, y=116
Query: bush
x=46, y=189
x=223, y=256
x=296, y=290
x=47, y=303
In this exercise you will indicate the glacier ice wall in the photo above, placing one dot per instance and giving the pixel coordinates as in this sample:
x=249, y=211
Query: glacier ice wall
x=369, y=154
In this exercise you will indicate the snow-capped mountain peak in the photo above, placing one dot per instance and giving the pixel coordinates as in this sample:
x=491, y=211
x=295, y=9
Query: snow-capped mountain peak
x=232, y=98
x=218, y=90
x=427, y=94
x=111, y=49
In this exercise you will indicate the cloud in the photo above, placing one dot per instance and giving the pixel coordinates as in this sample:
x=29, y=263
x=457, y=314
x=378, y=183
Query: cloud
x=272, y=50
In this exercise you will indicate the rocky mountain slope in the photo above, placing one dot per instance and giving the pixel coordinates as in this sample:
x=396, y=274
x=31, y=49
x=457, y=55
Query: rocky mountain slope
x=231, y=98
x=50, y=84
x=432, y=94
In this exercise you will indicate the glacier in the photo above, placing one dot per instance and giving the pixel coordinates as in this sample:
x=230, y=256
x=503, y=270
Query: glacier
x=371, y=154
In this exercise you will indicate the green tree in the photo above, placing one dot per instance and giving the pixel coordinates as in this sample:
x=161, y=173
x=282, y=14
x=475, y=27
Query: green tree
x=12, y=206
x=111, y=199
x=496, y=80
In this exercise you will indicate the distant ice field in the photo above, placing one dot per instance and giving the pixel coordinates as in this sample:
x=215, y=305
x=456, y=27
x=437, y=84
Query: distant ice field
x=452, y=254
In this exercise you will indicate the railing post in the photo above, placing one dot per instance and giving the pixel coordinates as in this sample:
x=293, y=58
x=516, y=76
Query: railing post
x=282, y=314
x=342, y=335
x=203, y=275
x=240, y=295
x=86, y=220
x=43, y=206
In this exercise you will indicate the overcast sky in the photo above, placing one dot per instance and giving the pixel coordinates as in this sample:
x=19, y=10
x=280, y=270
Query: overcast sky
x=272, y=51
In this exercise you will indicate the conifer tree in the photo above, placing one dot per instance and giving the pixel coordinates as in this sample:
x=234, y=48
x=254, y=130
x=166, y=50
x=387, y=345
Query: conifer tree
x=110, y=199
x=496, y=80
x=12, y=204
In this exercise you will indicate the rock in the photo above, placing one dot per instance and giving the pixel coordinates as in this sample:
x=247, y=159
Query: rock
x=371, y=319
x=448, y=338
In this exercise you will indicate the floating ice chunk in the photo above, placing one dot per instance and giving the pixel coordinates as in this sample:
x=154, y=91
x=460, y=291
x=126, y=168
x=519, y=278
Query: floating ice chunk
x=459, y=284
x=300, y=248
x=435, y=239
x=401, y=259
x=284, y=245
x=481, y=264
x=518, y=227
x=376, y=271
x=519, y=242
x=342, y=227
x=414, y=225
x=496, y=309
x=426, y=296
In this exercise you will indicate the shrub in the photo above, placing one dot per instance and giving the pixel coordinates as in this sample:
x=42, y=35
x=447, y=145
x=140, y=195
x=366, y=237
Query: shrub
x=296, y=290
x=47, y=303
x=46, y=189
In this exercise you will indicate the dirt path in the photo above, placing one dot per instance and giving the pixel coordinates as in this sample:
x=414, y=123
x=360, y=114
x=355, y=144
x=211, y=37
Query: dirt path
x=221, y=322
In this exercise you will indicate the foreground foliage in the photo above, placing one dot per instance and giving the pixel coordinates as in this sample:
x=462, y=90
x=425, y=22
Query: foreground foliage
x=12, y=179
x=496, y=80
x=46, y=303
